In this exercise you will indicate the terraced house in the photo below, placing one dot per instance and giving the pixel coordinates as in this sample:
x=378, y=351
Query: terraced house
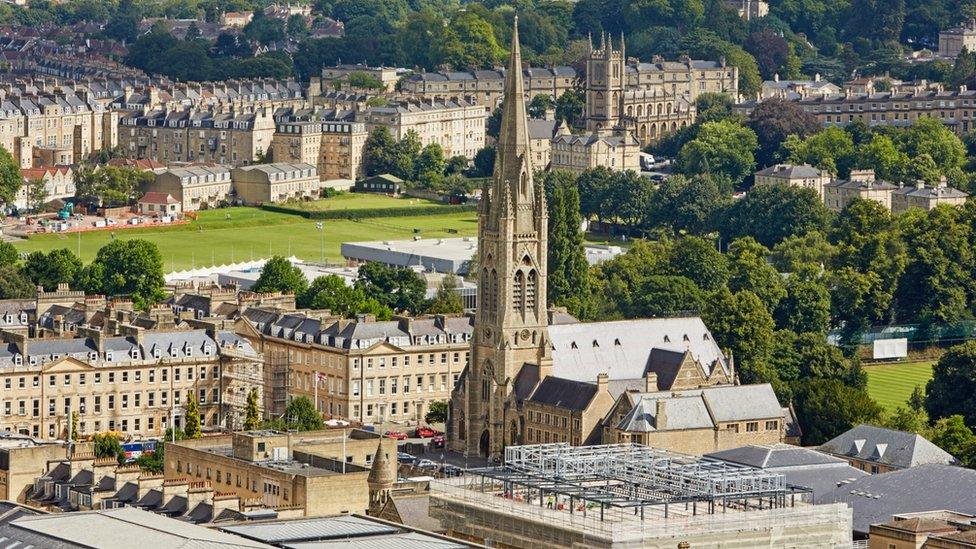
x=136, y=383
x=367, y=370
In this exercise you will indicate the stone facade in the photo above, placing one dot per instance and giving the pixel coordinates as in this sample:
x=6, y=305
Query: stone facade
x=923, y=196
x=365, y=370
x=617, y=150
x=956, y=109
x=335, y=148
x=952, y=41
x=862, y=184
x=457, y=126
x=194, y=187
x=192, y=135
x=59, y=182
x=651, y=99
x=276, y=182
x=128, y=383
x=803, y=175
x=486, y=87
x=318, y=473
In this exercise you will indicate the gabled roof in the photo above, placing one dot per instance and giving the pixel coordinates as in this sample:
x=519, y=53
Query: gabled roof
x=158, y=198
x=790, y=171
x=875, y=498
x=564, y=393
x=886, y=447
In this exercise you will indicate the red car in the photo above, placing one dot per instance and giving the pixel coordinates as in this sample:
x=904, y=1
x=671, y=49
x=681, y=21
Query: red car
x=437, y=442
x=396, y=435
x=425, y=432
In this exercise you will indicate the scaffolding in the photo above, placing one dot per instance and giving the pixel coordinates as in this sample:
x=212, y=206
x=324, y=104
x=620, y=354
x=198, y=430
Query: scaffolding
x=630, y=476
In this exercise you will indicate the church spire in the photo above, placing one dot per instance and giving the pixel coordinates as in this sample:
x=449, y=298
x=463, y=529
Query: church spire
x=513, y=159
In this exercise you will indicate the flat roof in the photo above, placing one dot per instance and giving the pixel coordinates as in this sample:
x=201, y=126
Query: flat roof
x=347, y=531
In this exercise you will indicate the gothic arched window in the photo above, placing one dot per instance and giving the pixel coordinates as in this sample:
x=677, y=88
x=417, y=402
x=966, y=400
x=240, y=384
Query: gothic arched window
x=493, y=294
x=530, y=292
x=517, y=289
x=485, y=303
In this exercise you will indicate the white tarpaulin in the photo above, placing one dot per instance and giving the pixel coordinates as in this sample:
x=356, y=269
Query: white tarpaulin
x=890, y=348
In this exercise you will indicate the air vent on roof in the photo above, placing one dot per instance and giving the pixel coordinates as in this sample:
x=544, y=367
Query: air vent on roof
x=572, y=345
x=616, y=342
x=596, y=343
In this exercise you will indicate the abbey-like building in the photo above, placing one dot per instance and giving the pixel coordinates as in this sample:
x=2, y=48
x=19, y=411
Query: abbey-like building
x=537, y=375
x=649, y=99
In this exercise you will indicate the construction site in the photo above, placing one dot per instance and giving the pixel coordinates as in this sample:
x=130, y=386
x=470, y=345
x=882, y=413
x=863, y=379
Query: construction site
x=629, y=495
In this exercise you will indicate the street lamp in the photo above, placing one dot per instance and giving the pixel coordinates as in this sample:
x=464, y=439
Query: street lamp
x=321, y=228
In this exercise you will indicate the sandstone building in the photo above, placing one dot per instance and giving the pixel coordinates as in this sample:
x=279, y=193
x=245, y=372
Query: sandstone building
x=334, y=147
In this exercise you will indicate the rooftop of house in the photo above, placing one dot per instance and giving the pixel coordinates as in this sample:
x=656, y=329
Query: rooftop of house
x=876, y=498
x=701, y=408
x=790, y=171
x=888, y=447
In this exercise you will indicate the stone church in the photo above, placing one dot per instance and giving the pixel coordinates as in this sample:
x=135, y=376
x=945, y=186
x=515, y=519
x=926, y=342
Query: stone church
x=518, y=343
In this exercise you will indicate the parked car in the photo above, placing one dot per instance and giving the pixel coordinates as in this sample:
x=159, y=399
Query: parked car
x=452, y=470
x=398, y=435
x=437, y=442
x=404, y=457
x=425, y=432
x=426, y=464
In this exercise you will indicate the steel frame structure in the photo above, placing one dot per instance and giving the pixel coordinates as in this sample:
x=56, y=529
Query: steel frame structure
x=635, y=476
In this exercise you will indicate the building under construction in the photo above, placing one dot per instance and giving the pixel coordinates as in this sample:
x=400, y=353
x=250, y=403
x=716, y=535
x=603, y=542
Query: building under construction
x=629, y=495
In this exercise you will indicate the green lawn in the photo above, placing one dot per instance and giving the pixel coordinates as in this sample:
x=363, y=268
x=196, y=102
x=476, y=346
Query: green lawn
x=362, y=201
x=891, y=385
x=238, y=234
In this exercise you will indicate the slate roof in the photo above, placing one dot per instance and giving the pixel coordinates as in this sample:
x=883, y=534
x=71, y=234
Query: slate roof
x=875, y=498
x=525, y=381
x=564, y=393
x=701, y=408
x=622, y=349
x=790, y=171
x=930, y=192
x=886, y=447
x=805, y=467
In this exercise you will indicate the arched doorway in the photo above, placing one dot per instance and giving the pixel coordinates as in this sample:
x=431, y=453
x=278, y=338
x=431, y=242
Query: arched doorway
x=483, y=446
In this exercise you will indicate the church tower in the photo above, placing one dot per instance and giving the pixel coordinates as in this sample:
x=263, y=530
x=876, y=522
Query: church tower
x=510, y=326
x=606, y=79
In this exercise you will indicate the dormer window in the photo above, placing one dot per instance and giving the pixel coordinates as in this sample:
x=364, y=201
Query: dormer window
x=108, y=356
x=18, y=360
x=572, y=345
x=596, y=343
x=172, y=351
x=134, y=353
x=32, y=360
x=156, y=353
x=207, y=350
x=93, y=356
x=667, y=339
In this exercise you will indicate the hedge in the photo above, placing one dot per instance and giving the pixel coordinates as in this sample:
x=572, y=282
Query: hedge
x=367, y=213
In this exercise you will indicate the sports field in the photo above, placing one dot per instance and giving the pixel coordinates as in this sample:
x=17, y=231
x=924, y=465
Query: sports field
x=229, y=235
x=891, y=385
x=356, y=201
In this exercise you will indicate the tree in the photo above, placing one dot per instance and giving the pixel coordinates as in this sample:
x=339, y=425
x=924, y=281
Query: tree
x=36, y=193
x=398, y=288
x=331, y=292
x=252, y=417
x=447, y=300
x=14, y=284
x=568, y=271
x=687, y=204
x=930, y=136
x=700, y=261
x=741, y=323
x=724, y=148
x=436, y=412
x=774, y=120
x=378, y=152
x=484, y=162
x=937, y=281
x=279, y=275
x=540, y=104
x=301, y=415
x=831, y=149
x=881, y=155
x=954, y=436
x=191, y=419
x=8, y=253
x=829, y=407
x=773, y=213
x=108, y=445
x=770, y=50
x=714, y=107
x=662, y=296
x=154, y=461
x=750, y=270
x=805, y=307
x=595, y=187
x=570, y=106
x=10, y=177
x=430, y=163
x=952, y=389
x=59, y=266
x=75, y=435
x=132, y=267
